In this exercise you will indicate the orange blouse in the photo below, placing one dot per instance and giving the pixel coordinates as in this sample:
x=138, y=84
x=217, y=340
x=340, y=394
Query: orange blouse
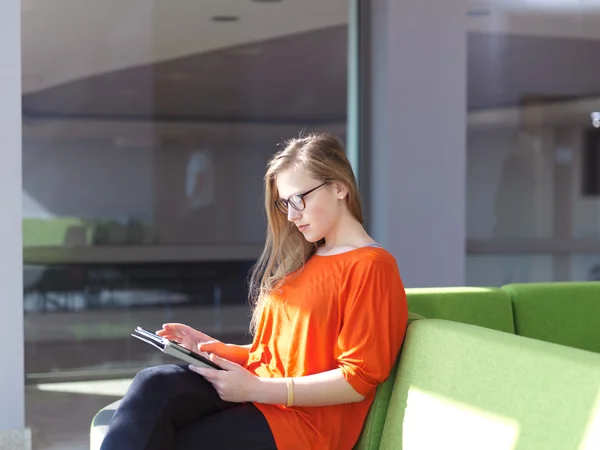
x=344, y=311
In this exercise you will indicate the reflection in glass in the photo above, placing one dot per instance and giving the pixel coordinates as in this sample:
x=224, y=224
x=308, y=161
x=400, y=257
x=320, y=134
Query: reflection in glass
x=144, y=149
x=529, y=180
x=200, y=180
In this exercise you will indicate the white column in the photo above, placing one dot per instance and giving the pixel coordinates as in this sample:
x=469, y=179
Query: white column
x=417, y=168
x=12, y=411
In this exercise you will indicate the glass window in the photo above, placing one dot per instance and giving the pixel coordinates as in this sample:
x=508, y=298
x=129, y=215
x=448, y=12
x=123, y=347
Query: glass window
x=146, y=132
x=501, y=269
x=532, y=136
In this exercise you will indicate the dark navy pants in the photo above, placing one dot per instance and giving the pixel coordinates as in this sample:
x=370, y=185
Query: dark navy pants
x=172, y=408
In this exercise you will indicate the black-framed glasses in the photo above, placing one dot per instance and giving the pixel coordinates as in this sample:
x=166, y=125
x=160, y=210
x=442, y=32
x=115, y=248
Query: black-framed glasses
x=296, y=201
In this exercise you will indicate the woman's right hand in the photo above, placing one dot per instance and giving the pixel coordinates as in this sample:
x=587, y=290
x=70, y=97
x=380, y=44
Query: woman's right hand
x=196, y=341
x=185, y=335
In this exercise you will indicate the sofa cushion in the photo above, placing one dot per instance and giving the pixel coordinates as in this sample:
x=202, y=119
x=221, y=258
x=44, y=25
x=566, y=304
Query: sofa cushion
x=468, y=387
x=563, y=313
x=486, y=307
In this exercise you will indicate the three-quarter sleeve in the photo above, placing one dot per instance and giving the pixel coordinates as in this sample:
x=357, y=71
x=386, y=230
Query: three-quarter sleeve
x=374, y=322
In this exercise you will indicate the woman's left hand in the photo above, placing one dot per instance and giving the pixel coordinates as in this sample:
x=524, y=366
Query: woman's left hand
x=234, y=384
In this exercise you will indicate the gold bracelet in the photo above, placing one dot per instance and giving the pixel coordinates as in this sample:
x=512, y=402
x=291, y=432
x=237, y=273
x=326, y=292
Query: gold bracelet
x=290, y=388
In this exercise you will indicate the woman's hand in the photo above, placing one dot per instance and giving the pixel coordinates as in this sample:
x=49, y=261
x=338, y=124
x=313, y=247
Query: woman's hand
x=185, y=335
x=234, y=384
x=197, y=341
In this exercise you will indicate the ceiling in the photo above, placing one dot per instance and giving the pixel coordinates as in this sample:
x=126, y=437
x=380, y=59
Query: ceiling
x=299, y=78
x=66, y=40
x=277, y=63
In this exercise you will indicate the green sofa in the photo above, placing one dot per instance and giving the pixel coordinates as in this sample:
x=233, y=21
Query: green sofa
x=563, y=313
x=477, y=374
x=485, y=307
x=459, y=386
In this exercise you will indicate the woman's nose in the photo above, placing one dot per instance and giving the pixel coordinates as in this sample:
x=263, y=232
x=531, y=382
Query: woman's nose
x=292, y=214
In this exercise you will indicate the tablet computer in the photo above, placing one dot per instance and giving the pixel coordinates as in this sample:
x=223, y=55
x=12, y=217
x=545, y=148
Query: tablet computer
x=173, y=349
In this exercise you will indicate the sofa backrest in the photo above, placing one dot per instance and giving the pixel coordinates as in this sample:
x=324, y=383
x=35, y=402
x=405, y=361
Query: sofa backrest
x=468, y=387
x=486, y=307
x=373, y=427
x=563, y=313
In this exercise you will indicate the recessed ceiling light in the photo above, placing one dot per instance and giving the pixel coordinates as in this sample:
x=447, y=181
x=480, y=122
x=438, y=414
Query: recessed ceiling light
x=225, y=18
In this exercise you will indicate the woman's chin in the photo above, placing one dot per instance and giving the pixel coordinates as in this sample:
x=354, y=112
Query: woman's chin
x=310, y=238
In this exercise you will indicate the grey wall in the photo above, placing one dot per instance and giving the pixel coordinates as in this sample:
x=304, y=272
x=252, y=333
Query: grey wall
x=12, y=412
x=418, y=124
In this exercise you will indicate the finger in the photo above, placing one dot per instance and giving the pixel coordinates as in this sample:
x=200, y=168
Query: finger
x=209, y=347
x=210, y=374
x=168, y=335
x=199, y=370
x=223, y=363
x=170, y=331
x=173, y=326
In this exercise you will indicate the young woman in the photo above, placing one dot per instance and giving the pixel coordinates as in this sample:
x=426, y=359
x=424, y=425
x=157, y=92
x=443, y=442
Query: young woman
x=329, y=318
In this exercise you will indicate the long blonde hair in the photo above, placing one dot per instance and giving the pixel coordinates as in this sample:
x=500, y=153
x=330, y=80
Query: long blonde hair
x=323, y=157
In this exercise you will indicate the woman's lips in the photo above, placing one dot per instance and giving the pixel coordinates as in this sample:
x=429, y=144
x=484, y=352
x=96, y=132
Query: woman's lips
x=302, y=228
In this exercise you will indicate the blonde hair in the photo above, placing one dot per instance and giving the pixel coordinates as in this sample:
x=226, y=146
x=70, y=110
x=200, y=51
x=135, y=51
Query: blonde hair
x=323, y=157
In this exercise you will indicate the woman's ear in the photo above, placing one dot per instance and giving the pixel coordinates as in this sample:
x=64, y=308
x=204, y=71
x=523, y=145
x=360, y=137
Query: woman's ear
x=341, y=191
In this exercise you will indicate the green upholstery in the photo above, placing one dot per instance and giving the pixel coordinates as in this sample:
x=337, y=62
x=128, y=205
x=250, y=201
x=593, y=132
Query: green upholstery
x=373, y=427
x=563, y=313
x=486, y=307
x=460, y=383
x=465, y=387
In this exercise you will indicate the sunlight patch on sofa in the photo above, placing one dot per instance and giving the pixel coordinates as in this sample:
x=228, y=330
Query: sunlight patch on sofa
x=591, y=438
x=434, y=421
